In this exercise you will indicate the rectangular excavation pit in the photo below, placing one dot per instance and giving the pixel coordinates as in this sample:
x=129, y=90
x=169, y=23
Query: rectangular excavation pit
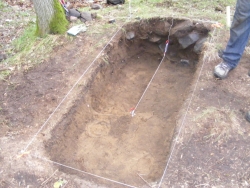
x=100, y=136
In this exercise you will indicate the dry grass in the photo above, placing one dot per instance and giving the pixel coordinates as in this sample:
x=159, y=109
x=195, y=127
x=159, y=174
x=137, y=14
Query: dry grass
x=221, y=123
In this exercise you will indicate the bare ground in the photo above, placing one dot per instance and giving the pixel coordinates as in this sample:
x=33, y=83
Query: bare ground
x=210, y=146
x=212, y=150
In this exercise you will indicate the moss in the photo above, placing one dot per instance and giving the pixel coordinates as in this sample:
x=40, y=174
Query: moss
x=38, y=31
x=59, y=23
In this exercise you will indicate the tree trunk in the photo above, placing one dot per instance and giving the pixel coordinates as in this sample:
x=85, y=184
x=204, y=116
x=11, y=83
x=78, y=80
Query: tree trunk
x=50, y=17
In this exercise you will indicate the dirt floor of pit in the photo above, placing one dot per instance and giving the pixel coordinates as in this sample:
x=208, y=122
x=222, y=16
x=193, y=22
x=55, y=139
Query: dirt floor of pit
x=212, y=151
x=100, y=136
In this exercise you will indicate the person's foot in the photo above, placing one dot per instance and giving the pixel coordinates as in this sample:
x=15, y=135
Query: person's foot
x=221, y=70
x=248, y=116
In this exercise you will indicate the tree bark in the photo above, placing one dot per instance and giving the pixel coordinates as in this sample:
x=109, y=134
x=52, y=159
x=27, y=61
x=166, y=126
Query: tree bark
x=50, y=17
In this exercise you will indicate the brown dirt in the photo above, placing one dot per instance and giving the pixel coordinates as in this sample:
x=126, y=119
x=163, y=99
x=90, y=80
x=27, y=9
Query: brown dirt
x=100, y=136
x=94, y=130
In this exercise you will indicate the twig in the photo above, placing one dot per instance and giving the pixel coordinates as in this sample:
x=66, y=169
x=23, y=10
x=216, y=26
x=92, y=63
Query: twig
x=144, y=180
x=49, y=177
x=65, y=184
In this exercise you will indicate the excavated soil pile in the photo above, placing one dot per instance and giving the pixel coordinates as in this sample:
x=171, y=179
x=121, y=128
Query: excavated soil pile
x=99, y=135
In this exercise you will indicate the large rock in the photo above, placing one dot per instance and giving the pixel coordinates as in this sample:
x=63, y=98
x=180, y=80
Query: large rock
x=73, y=18
x=154, y=38
x=189, y=39
x=202, y=28
x=161, y=28
x=74, y=12
x=96, y=6
x=199, y=45
x=86, y=16
x=130, y=35
x=115, y=2
x=182, y=29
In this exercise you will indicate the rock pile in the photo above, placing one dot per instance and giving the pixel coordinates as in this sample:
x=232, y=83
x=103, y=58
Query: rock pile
x=184, y=34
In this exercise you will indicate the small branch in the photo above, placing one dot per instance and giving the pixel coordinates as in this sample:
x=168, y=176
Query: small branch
x=65, y=184
x=46, y=181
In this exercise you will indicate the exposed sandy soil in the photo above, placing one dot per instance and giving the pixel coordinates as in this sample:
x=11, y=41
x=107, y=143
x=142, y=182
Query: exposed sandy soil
x=100, y=136
x=202, y=121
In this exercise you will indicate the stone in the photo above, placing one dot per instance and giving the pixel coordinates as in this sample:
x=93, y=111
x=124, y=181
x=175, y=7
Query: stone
x=112, y=20
x=72, y=18
x=199, y=45
x=189, y=39
x=130, y=35
x=96, y=6
x=202, y=28
x=161, y=28
x=74, y=12
x=218, y=9
x=86, y=16
x=154, y=38
x=144, y=37
x=184, y=62
x=115, y=2
x=182, y=29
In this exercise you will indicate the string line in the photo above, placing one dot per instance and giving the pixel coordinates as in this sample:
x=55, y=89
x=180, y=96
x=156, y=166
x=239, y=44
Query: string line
x=72, y=168
x=133, y=111
x=90, y=65
x=182, y=125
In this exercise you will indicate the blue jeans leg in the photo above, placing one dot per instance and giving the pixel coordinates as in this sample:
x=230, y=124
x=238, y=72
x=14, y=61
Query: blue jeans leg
x=239, y=34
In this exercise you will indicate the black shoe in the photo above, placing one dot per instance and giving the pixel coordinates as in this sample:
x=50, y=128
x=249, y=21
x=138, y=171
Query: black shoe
x=248, y=116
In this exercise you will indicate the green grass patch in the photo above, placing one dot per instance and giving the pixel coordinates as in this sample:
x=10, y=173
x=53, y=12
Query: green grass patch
x=25, y=41
x=2, y=5
x=29, y=50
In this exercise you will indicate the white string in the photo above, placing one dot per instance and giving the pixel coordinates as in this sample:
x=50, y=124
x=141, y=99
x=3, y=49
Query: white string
x=129, y=8
x=133, y=111
x=182, y=124
x=170, y=27
x=45, y=123
x=50, y=161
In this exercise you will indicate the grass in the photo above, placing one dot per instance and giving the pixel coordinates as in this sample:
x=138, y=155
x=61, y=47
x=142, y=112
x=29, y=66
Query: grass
x=26, y=40
x=222, y=123
x=2, y=5
x=29, y=50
